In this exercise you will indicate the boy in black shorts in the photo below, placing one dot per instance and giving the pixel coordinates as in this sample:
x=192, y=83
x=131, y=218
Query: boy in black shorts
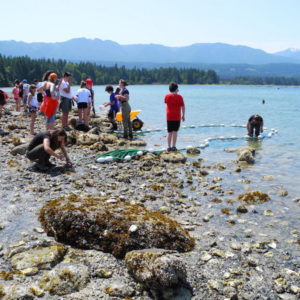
x=175, y=113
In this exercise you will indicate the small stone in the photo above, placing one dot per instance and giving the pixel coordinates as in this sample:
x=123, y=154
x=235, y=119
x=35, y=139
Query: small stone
x=252, y=262
x=165, y=210
x=268, y=212
x=242, y=209
x=29, y=271
x=283, y=193
x=38, y=230
x=103, y=273
x=218, y=253
x=215, y=284
x=133, y=228
x=118, y=289
x=36, y=291
x=295, y=289
x=236, y=246
x=205, y=257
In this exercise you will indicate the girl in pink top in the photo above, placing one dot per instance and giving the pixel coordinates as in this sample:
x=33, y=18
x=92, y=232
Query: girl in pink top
x=16, y=96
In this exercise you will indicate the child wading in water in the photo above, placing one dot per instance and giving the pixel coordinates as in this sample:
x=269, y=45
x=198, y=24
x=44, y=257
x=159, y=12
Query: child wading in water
x=175, y=113
x=32, y=106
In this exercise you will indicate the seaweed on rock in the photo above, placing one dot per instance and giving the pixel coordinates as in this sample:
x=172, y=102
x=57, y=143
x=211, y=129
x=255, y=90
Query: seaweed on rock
x=94, y=223
x=255, y=197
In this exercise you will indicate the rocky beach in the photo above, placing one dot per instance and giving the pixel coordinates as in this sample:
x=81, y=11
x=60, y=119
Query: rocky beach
x=160, y=226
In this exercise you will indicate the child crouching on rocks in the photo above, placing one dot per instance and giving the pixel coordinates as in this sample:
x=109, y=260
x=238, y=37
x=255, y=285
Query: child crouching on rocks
x=44, y=145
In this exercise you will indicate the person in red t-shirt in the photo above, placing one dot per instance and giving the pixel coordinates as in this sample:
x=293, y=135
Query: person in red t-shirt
x=175, y=113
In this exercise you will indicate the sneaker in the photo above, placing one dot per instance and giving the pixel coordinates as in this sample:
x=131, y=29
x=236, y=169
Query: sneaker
x=130, y=137
x=174, y=149
x=169, y=149
x=125, y=136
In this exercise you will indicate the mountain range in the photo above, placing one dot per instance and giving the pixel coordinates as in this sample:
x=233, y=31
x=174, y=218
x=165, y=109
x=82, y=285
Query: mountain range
x=97, y=50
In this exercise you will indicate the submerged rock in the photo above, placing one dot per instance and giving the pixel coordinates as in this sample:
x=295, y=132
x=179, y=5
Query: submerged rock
x=65, y=279
x=91, y=223
x=255, y=197
x=156, y=269
x=246, y=155
x=193, y=150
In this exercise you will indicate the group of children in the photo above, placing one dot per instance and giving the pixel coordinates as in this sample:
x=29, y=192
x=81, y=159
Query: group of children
x=36, y=96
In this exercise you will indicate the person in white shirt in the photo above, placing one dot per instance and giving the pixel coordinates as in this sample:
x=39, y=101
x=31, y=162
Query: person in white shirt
x=83, y=99
x=32, y=106
x=65, y=99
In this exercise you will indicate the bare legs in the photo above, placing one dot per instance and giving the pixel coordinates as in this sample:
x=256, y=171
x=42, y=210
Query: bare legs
x=172, y=139
x=18, y=104
x=32, y=123
x=83, y=115
x=64, y=119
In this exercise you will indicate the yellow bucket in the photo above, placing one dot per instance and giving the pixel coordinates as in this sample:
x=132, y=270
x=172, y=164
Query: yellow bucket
x=133, y=114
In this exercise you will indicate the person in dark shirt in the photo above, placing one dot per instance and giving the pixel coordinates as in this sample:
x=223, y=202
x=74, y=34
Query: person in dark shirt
x=79, y=125
x=255, y=124
x=43, y=145
x=114, y=106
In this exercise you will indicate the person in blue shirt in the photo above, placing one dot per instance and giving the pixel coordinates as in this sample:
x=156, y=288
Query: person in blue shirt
x=114, y=106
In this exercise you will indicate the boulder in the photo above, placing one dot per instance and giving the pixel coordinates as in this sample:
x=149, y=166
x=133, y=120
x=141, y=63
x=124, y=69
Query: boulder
x=173, y=157
x=160, y=271
x=41, y=258
x=156, y=268
x=21, y=150
x=87, y=139
x=65, y=279
x=98, y=224
x=108, y=138
x=99, y=146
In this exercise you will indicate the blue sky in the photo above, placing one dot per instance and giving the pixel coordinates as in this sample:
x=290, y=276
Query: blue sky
x=271, y=25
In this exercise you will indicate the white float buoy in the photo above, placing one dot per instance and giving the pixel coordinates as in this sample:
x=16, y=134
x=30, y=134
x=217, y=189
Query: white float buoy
x=127, y=157
x=108, y=158
x=101, y=160
x=139, y=153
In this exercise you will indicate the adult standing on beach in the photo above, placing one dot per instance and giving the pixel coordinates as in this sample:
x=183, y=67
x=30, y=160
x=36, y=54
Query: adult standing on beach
x=175, y=113
x=50, y=102
x=123, y=97
x=65, y=99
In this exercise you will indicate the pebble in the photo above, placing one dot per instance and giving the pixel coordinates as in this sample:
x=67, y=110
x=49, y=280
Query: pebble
x=236, y=246
x=206, y=257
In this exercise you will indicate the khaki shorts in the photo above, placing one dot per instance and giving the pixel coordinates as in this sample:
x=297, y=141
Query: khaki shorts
x=65, y=104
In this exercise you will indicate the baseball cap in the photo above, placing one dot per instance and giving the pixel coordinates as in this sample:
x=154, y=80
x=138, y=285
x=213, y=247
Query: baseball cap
x=24, y=80
x=53, y=76
x=89, y=81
